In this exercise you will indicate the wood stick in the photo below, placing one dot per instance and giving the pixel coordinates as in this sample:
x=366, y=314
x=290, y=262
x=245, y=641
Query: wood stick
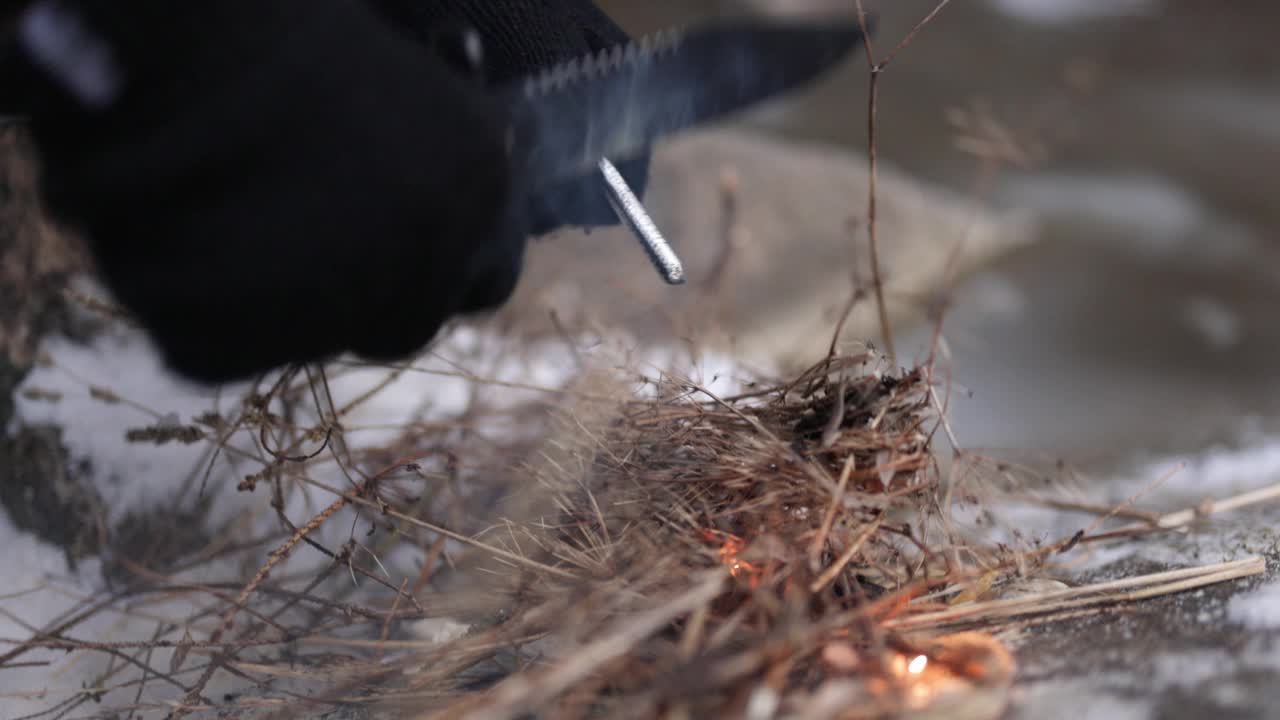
x=520, y=694
x=1188, y=516
x=1114, y=591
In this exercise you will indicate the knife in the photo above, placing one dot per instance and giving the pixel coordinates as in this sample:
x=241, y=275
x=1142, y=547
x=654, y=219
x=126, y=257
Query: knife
x=619, y=102
x=581, y=116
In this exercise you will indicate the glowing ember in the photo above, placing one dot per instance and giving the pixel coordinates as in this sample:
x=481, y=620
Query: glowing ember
x=730, y=546
x=739, y=568
x=972, y=668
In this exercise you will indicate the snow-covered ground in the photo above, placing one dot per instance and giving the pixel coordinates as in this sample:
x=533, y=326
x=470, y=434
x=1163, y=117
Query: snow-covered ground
x=42, y=589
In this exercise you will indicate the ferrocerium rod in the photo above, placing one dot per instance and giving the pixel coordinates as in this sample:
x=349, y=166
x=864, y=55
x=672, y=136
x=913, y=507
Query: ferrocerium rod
x=632, y=214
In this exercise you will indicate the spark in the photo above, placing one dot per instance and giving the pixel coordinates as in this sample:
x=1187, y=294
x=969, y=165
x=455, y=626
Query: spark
x=917, y=665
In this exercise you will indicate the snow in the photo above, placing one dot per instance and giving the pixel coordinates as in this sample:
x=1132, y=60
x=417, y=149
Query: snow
x=1061, y=12
x=41, y=592
x=996, y=296
x=1215, y=322
x=439, y=630
x=1156, y=214
x=1078, y=699
x=1165, y=483
x=1258, y=609
x=1217, y=471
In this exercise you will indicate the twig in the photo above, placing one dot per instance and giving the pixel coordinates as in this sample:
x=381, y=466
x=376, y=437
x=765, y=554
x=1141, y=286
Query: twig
x=911, y=35
x=1114, y=591
x=820, y=540
x=386, y=625
x=1134, y=498
x=838, y=566
x=1188, y=516
x=516, y=696
x=873, y=242
x=1148, y=518
x=490, y=549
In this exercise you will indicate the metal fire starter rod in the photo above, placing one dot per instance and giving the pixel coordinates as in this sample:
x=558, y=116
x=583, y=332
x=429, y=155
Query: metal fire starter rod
x=632, y=214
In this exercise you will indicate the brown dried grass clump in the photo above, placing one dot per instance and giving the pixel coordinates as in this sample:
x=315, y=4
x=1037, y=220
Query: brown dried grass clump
x=717, y=557
x=787, y=552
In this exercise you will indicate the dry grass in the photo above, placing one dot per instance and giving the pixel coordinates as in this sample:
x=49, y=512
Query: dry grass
x=790, y=551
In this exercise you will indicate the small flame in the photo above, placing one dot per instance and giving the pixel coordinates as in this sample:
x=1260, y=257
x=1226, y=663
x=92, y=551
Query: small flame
x=953, y=664
x=737, y=568
x=730, y=546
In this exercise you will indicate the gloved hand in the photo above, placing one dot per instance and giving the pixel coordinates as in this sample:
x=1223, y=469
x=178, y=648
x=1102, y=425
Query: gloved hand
x=271, y=181
x=521, y=38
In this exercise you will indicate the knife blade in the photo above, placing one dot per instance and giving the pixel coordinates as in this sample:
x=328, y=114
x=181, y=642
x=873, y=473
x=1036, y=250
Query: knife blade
x=617, y=103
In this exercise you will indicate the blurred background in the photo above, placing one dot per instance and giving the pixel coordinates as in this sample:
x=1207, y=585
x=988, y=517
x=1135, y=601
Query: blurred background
x=1140, y=321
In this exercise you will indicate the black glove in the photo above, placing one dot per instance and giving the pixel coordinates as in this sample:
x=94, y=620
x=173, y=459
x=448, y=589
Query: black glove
x=521, y=38
x=265, y=182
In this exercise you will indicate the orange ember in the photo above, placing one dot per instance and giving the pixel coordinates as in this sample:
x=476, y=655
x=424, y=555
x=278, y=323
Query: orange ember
x=730, y=546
